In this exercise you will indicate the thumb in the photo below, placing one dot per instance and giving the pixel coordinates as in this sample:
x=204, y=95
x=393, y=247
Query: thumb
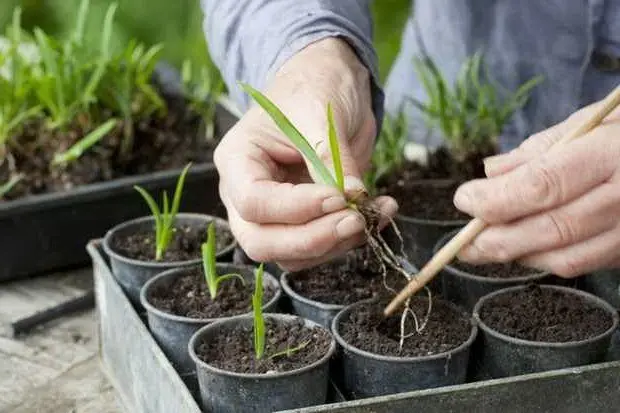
x=537, y=144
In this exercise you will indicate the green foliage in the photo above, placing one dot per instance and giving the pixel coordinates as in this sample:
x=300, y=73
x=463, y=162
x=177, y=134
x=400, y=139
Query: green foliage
x=83, y=144
x=201, y=87
x=259, y=321
x=388, y=154
x=210, y=266
x=301, y=143
x=164, y=219
x=471, y=114
x=6, y=187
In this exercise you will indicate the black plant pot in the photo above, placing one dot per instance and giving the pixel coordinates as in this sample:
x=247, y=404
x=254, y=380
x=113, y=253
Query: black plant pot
x=320, y=313
x=465, y=288
x=368, y=375
x=229, y=392
x=173, y=332
x=133, y=274
x=502, y=356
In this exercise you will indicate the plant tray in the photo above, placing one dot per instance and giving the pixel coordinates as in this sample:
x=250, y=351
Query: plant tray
x=55, y=227
x=147, y=382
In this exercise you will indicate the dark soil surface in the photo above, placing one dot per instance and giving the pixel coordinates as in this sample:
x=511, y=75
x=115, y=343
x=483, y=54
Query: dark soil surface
x=184, y=246
x=367, y=329
x=188, y=296
x=496, y=270
x=234, y=350
x=356, y=278
x=424, y=201
x=160, y=143
x=538, y=314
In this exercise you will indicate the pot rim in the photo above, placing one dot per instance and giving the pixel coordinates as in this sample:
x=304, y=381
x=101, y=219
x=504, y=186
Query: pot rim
x=107, y=240
x=279, y=317
x=534, y=276
x=284, y=282
x=395, y=359
x=591, y=298
x=176, y=272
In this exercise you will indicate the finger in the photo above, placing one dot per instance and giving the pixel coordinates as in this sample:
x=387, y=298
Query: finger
x=537, y=144
x=579, y=220
x=249, y=175
x=542, y=183
x=599, y=252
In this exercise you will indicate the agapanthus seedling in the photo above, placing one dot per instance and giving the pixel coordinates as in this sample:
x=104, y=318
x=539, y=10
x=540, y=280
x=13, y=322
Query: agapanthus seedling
x=164, y=219
x=75, y=151
x=209, y=264
x=259, y=321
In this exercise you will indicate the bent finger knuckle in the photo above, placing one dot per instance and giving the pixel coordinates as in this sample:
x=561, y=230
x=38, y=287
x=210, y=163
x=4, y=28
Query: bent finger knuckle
x=542, y=186
x=561, y=229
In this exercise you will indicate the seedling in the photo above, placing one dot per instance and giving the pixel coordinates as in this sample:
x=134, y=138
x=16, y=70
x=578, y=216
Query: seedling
x=471, y=115
x=6, y=187
x=386, y=257
x=84, y=144
x=209, y=264
x=259, y=322
x=201, y=88
x=164, y=219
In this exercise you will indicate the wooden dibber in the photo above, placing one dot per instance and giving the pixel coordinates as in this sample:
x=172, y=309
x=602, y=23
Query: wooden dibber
x=447, y=253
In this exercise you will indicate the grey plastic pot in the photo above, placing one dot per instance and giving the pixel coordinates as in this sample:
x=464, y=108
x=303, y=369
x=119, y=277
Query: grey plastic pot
x=320, y=313
x=229, y=392
x=465, y=288
x=132, y=274
x=173, y=332
x=368, y=375
x=421, y=235
x=502, y=356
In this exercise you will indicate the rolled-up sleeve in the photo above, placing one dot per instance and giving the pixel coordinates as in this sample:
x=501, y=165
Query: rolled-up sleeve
x=250, y=39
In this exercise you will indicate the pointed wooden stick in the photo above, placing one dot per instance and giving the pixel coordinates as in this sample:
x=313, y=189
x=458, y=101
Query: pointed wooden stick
x=447, y=253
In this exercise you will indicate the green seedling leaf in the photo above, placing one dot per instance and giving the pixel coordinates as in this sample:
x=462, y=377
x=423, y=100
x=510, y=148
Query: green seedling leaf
x=259, y=321
x=300, y=142
x=335, y=148
x=209, y=264
x=290, y=351
x=84, y=144
x=166, y=218
x=6, y=187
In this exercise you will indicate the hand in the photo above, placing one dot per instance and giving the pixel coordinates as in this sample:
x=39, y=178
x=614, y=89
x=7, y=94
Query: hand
x=553, y=209
x=276, y=212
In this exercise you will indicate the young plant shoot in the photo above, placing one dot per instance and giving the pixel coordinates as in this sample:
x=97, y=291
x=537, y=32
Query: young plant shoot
x=164, y=219
x=259, y=322
x=210, y=266
x=384, y=254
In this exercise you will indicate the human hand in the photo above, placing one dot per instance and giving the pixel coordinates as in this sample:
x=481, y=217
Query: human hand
x=555, y=209
x=276, y=212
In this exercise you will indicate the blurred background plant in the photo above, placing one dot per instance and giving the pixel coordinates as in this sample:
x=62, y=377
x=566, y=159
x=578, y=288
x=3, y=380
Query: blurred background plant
x=175, y=24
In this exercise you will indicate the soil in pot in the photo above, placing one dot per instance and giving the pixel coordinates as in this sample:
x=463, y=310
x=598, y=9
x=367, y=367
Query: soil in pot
x=184, y=246
x=495, y=270
x=367, y=329
x=234, y=349
x=545, y=315
x=188, y=296
x=432, y=202
x=344, y=282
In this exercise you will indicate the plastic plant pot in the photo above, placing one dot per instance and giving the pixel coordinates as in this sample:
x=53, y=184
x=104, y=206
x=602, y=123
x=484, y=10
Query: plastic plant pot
x=369, y=375
x=132, y=274
x=230, y=392
x=466, y=288
x=501, y=355
x=173, y=332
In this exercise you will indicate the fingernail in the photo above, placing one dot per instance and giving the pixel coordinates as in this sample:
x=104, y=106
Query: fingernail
x=333, y=204
x=387, y=206
x=462, y=199
x=349, y=226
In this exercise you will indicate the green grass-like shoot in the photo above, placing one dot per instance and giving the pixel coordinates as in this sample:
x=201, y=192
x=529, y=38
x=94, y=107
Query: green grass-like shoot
x=208, y=250
x=259, y=321
x=202, y=88
x=6, y=187
x=290, y=351
x=164, y=219
x=335, y=148
x=290, y=131
x=84, y=144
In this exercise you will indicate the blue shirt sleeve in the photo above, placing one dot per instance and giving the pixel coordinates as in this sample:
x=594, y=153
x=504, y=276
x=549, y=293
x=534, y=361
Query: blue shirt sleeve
x=250, y=39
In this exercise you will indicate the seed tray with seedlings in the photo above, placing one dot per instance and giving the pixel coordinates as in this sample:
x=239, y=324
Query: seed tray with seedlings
x=80, y=126
x=531, y=346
